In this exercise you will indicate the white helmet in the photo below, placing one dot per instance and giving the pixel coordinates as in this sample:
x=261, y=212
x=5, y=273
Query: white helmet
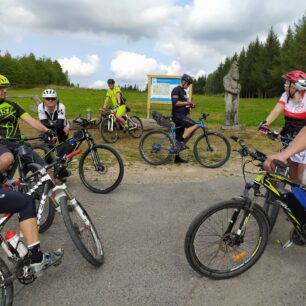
x=49, y=93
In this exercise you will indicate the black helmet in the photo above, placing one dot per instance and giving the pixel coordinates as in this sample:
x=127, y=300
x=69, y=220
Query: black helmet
x=187, y=78
x=110, y=81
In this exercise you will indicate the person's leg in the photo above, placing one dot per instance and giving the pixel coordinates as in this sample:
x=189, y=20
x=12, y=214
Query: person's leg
x=121, y=110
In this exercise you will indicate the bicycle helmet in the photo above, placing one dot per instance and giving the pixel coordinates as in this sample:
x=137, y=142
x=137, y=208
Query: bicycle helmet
x=110, y=81
x=187, y=78
x=4, y=81
x=49, y=93
x=298, y=78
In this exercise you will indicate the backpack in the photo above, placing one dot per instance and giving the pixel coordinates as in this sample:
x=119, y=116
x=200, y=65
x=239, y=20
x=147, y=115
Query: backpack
x=122, y=99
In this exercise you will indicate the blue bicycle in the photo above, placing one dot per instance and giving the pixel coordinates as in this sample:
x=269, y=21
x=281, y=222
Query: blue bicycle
x=211, y=149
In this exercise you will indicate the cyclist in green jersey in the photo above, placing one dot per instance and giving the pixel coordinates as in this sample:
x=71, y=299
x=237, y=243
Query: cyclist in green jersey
x=115, y=100
x=10, y=113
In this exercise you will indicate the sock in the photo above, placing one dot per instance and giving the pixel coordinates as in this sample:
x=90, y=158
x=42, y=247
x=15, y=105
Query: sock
x=35, y=254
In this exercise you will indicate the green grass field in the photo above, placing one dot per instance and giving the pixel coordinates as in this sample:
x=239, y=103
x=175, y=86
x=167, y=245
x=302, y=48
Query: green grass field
x=252, y=112
x=76, y=100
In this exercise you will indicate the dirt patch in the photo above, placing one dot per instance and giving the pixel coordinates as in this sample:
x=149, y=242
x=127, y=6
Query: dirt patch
x=141, y=173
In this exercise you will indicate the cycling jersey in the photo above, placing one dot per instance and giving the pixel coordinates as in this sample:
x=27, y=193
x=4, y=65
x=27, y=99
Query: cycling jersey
x=295, y=114
x=112, y=94
x=179, y=94
x=10, y=112
x=55, y=120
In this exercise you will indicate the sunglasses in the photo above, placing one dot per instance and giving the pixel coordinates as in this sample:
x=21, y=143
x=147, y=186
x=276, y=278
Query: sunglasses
x=50, y=99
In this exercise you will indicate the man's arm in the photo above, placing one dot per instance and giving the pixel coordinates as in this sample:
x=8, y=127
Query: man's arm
x=105, y=102
x=35, y=123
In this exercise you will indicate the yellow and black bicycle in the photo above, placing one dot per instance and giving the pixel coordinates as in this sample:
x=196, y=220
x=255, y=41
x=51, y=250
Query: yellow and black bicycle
x=229, y=237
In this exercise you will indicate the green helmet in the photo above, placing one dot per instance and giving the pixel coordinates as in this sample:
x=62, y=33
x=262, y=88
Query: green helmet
x=4, y=81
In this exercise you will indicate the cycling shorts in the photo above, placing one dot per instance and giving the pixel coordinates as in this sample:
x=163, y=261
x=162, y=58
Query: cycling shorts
x=12, y=147
x=183, y=121
x=17, y=202
x=120, y=110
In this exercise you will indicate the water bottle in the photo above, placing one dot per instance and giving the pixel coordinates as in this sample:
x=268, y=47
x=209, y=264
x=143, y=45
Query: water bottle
x=88, y=114
x=14, y=240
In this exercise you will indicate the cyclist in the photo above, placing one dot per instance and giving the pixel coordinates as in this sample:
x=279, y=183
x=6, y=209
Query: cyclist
x=180, y=111
x=116, y=101
x=52, y=114
x=10, y=112
x=17, y=202
x=293, y=104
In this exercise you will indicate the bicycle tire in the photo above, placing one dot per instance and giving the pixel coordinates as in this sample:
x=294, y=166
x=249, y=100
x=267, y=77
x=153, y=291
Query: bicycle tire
x=136, y=133
x=152, y=148
x=7, y=291
x=48, y=214
x=110, y=172
x=95, y=257
x=271, y=209
x=212, y=150
x=197, y=229
x=44, y=152
x=107, y=135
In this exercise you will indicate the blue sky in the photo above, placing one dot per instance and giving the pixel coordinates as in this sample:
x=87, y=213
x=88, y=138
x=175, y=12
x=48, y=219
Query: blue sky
x=128, y=39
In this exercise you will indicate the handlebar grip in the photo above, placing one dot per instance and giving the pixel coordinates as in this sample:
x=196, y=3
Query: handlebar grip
x=279, y=164
x=74, y=153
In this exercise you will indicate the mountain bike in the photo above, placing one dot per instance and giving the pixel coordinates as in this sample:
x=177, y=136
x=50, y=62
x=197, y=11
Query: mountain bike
x=211, y=149
x=229, y=237
x=109, y=127
x=76, y=219
x=101, y=167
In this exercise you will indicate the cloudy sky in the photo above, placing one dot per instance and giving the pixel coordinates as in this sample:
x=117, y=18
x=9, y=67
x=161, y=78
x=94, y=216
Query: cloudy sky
x=128, y=39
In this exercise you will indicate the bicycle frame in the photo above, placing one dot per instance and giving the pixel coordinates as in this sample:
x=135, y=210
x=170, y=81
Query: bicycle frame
x=285, y=198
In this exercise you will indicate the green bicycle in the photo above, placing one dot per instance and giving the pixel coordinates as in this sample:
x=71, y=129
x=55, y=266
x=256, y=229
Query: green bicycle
x=229, y=237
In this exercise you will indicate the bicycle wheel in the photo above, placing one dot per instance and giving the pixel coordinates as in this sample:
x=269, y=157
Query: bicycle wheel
x=82, y=231
x=135, y=127
x=213, y=246
x=271, y=208
x=108, y=133
x=212, y=150
x=46, y=153
x=7, y=289
x=101, y=168
x=48, y=213
x=155, y=147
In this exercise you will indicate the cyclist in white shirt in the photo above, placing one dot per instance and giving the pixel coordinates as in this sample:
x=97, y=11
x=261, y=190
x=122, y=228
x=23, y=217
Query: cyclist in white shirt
x=293, y=104
x=52, y=114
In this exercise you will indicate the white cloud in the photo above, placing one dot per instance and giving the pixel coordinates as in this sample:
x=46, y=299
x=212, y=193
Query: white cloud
x=98, y=85
x=76, y=67
x=135, y=67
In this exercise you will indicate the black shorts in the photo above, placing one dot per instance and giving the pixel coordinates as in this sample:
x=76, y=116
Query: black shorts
x=17, y=202
x=12, y=147
x=183, y=121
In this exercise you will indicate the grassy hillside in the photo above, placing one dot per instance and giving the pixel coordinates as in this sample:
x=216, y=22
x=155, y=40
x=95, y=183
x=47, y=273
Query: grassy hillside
x=77, y=100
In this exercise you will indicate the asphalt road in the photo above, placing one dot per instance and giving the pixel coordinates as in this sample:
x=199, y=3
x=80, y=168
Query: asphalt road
x=143, y=229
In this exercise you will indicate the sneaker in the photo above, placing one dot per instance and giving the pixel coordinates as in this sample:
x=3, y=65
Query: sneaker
x=179, y=160
x=53, y=258
x=180, y=146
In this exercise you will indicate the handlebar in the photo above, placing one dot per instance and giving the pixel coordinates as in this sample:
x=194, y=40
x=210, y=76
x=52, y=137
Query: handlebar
x=245, y=150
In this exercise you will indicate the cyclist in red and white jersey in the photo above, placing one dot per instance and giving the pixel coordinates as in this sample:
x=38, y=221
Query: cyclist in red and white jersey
x=293, y=104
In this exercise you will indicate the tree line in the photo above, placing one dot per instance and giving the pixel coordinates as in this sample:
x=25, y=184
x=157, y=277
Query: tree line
x=261, y=65
x=28, y=71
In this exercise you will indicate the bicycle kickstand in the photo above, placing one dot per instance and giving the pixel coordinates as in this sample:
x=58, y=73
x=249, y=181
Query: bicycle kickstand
x=285, y=245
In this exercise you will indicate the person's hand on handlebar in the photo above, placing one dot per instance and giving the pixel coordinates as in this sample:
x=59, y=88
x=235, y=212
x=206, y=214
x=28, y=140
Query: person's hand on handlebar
x=269, y=165
x=49, y=136
x=263, y=128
